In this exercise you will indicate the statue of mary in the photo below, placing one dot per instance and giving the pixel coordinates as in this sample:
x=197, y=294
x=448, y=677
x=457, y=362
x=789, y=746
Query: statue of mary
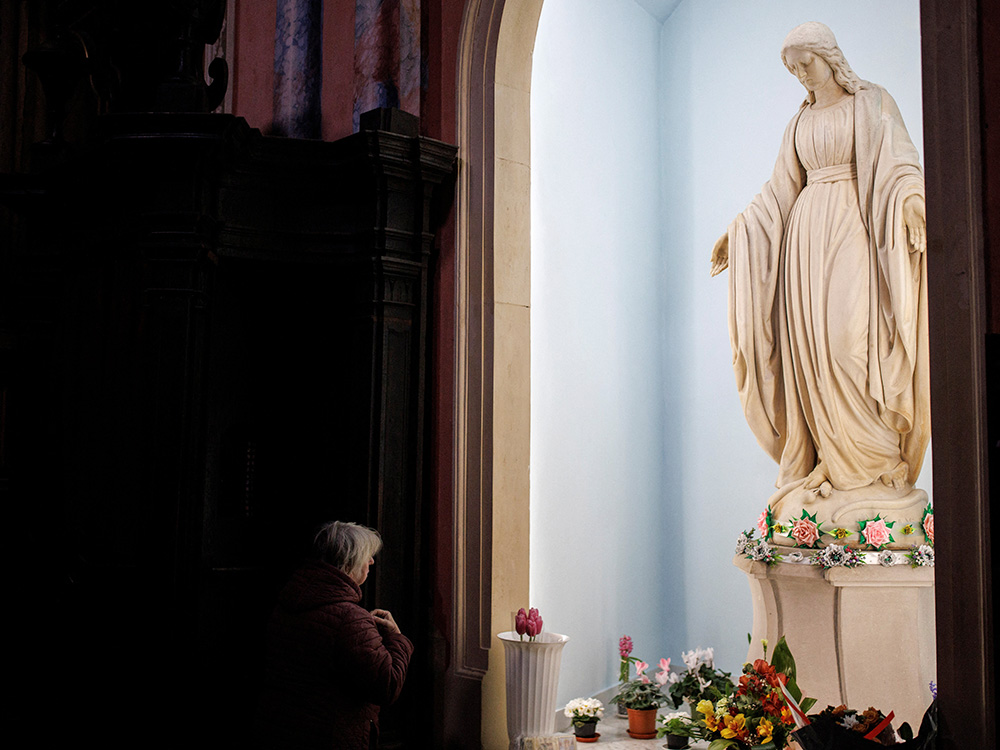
x=827, y=298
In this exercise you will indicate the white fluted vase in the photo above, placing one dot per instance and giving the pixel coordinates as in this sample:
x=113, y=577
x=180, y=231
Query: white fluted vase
x=532, y=680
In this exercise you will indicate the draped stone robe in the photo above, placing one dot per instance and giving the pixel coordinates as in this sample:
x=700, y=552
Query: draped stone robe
x=827, y=305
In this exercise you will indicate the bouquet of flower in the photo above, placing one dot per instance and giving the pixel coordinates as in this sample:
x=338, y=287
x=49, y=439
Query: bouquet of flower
x=528, y=623
x=701, y=680
x=642, y=692
x=847, y=729
x=584, y=710
x=761, y=711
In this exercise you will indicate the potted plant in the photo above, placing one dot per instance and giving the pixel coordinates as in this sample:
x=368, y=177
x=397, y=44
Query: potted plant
x=674, y=741
x=701, y=680
x=642, y=697
x=584, y=713
x=625, y=652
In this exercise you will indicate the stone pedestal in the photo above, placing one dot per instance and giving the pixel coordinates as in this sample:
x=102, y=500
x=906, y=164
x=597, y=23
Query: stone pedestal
x=860, y=636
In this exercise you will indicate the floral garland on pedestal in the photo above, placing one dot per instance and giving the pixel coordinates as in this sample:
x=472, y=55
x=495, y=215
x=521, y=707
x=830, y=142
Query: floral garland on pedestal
x=807, y=533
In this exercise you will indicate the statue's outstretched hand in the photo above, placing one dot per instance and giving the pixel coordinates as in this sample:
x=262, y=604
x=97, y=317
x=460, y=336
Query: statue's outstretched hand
x=720, y=255
x=915, y=218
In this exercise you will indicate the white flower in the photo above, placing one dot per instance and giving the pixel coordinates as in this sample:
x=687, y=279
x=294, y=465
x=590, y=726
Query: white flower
x=664, y=718
x=886, y=558
x=849, y=721
x=584, y=707
x=721, y=707
x=690, y=659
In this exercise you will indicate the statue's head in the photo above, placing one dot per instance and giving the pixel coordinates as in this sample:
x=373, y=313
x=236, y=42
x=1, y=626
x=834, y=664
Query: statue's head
x=816, y=39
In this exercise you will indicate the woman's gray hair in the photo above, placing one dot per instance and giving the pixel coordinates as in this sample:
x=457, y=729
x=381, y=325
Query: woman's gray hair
x=817, y=38
x=347, y=545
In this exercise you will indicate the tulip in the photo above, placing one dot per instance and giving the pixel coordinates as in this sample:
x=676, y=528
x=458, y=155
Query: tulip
x=521, y=622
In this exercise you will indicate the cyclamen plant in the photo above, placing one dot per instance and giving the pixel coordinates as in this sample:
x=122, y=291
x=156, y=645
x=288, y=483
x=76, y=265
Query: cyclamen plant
x=701, y=679
x=528, y=623
x=643, y=692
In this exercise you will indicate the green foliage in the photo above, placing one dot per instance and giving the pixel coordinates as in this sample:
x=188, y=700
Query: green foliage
x=782, y=659
x=637, y=694
x=689, y=688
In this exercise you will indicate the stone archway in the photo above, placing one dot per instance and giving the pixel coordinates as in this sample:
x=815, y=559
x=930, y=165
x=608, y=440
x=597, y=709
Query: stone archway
x=492, y=364
x=493, y=336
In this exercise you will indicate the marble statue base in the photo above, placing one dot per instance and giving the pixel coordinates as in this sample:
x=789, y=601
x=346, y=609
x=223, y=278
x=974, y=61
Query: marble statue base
x=860, y=636
x=847, y=508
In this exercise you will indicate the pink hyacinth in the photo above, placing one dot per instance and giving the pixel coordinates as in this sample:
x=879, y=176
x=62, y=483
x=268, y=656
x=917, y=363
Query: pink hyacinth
x=624, y=646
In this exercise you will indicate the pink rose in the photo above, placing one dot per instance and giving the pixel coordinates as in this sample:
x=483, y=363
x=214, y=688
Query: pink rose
x=762, y=523
x=805, y=532
x=876, y=533
x=929, y=526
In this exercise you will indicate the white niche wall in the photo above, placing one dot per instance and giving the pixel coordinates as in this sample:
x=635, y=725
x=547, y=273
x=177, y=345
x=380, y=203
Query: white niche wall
x=651, y=127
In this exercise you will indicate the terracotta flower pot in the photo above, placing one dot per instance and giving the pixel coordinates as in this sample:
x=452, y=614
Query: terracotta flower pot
x=642, y=722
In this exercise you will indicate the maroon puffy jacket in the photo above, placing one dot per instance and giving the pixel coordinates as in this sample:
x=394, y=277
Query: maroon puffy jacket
x=329, y=666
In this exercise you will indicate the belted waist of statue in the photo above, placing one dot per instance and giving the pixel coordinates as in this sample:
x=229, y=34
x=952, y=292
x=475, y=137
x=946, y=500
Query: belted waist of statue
x=836, y=173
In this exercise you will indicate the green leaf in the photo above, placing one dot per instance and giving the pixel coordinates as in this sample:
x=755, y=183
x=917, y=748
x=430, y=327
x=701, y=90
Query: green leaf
x=782, y=660
x=766, y=746
x=806, y=703
x=721, y=744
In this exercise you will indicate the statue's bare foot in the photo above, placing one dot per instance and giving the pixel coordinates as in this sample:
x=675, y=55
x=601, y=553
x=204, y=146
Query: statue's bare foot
x=825, y=489
x=897, y=477
x=816, y=478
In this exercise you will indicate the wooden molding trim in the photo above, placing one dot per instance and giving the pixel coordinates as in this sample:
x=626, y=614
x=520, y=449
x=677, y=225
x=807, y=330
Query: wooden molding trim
x=473, y=503
x=957, y=322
